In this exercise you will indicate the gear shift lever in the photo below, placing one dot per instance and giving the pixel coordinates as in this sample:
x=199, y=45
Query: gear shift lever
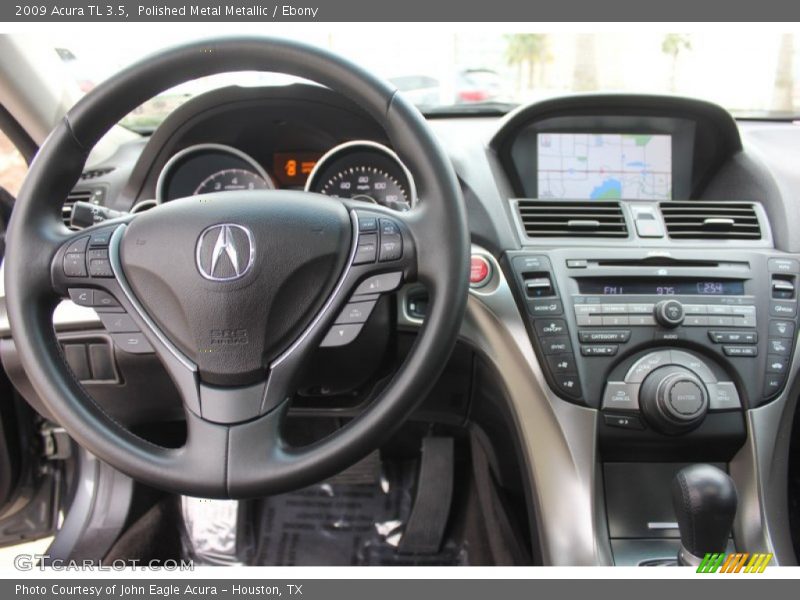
x=704, y=498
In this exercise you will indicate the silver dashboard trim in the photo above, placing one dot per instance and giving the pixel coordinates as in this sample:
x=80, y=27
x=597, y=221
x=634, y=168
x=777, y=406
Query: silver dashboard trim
x=558, y=438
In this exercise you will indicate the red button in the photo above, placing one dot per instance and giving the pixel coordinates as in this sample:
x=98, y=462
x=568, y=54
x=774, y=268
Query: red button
x=479, y=271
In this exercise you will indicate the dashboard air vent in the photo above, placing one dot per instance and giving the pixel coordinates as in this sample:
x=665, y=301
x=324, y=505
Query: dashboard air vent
x=73, y=197
x=544, y=218
x=95, y=173
x=711, y=220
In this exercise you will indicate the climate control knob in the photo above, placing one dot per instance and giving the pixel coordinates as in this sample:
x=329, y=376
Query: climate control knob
x=669, y=313
x=673, y=399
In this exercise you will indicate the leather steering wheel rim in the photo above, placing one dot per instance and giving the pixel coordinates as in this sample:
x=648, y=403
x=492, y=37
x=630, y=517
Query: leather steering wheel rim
x=249, y=458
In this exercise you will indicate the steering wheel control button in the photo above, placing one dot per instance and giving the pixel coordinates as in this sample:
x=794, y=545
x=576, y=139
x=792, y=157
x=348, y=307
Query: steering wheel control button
x=132, y=343
x=103, y=300
x=101, y=239
x=367, y=249
x=118, y=323
x=723, y=396
x=602, y=336
x=77, y=246
x=75, y=265
x=367, y=224
x=81, y=296
x=621, y=396
x=340, y=335
x=100, y=268
x=391, y=248
x=479, y=271
x=550, y=327
x=355, y=312
x=668, y=313
x=379, y=284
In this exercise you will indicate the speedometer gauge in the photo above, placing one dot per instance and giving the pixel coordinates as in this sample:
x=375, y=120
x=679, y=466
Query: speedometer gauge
x=369, y=184
x=364, y=171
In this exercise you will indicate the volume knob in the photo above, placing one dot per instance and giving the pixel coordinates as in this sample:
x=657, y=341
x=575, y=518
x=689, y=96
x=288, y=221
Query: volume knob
x=669, y=313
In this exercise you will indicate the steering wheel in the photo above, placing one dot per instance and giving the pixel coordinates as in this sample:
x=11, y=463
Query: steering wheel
x=234, y=291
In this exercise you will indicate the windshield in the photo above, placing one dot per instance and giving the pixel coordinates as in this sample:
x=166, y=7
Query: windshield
x=752, y=73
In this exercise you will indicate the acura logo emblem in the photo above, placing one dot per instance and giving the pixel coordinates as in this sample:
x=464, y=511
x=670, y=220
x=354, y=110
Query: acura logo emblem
x=225, y=252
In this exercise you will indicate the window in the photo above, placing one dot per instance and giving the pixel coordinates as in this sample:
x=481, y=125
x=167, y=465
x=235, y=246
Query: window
x=12, y=166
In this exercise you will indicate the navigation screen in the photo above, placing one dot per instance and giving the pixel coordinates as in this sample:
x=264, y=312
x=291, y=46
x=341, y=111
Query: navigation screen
x=604, y=166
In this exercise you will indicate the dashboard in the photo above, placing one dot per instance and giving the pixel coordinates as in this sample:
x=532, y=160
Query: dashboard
x=625, y=247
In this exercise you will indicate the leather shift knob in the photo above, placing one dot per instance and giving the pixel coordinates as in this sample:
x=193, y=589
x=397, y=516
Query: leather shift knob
x=704, y=498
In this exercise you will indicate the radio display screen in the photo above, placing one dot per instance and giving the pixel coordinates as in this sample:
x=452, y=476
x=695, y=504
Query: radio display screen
x=661, y=287
x=604, y=166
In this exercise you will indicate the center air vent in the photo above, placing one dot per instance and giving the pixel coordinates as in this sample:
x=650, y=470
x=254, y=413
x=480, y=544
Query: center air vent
x=711, y=220
x=544, y=218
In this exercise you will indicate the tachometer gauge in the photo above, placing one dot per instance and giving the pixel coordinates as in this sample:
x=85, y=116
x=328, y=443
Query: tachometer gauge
x=207, y=168
x=364, y=171
x=230, y=180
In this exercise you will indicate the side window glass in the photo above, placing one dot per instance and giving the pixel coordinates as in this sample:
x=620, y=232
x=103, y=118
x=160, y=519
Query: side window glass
x=12, y=166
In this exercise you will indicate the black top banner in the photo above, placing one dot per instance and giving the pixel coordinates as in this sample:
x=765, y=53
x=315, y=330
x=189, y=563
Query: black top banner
x=33, y=11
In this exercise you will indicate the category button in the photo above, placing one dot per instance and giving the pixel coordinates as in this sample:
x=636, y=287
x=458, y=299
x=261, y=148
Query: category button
x=601, y=336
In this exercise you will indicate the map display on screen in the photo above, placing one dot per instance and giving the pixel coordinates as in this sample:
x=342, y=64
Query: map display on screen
x=604, y=166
